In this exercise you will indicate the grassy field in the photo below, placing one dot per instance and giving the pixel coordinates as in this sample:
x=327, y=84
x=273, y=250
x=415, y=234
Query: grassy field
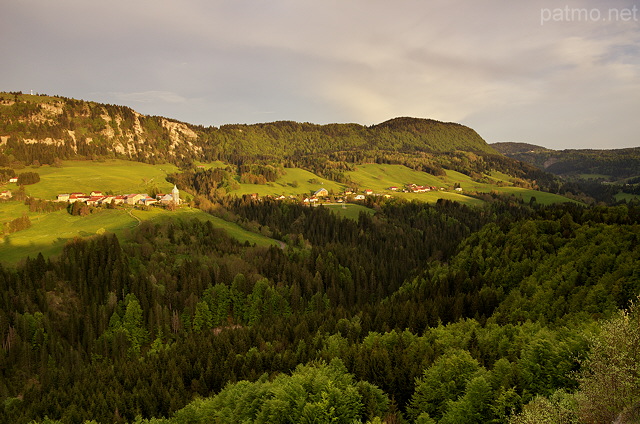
x=380, y=177
x=117, y=176
x=13, y=210
x=121, y=177
x=30, y=98
x=232, y=229
x=542, y=197
x=295, y=181
x=211, y=165
x=626, y=196
x=523, y=193
x=348, y=210
x=49, y=232
x=433, y=196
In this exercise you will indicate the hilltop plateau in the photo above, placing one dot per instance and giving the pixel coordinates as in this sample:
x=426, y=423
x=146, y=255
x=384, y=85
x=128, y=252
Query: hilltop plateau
x=69, y=127
x=39, y=130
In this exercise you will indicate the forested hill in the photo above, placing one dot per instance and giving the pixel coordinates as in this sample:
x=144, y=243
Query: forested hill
x=43, y=128
x=612, y=165
x=511, y=148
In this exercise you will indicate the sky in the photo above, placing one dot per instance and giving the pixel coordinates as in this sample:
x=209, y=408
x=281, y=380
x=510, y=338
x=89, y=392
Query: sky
x=558, y=74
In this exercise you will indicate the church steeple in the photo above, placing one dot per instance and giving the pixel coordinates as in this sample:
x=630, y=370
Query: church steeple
x=175, y=193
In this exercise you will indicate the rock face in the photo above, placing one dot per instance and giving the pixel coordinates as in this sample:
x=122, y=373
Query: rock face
x=85, y=128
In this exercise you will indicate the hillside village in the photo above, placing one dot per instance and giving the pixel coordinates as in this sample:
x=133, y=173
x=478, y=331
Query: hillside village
x=322, y=195
x=97, y=198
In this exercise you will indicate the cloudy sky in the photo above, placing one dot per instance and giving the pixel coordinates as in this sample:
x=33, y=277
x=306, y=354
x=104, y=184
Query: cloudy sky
x=553, y=73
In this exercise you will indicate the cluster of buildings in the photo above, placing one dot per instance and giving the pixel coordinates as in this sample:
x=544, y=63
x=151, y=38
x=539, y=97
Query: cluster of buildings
x=320, y=194
x=6, y=194
x=351, y=194
x=414, y=188
x=348, y=194
x=96, y=198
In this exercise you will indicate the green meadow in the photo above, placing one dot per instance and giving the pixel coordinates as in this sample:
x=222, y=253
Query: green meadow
x=295, y=181
x=626, y=197
x=111, y=175
x=380, y=177
x=50, y=231
x=348, y=210
x=541, y=197
x=433, y=196
x=30, y=98
x=467, y=183
x=233, y=230
x=211, y=165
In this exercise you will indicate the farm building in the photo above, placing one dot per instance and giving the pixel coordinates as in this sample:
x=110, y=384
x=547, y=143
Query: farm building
x=321, y=193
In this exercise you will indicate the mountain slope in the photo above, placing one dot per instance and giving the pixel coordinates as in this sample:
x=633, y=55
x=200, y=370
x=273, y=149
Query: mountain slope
x=42, y=128
x=510, y=148
x=616, y=164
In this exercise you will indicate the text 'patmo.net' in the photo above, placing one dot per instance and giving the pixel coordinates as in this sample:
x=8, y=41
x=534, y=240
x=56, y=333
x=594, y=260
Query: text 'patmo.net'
x=568, y=14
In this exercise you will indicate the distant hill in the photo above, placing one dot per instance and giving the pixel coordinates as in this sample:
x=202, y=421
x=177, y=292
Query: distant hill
x=38, y=130
x=612, y=165
x=43, y=127
x=509, y=148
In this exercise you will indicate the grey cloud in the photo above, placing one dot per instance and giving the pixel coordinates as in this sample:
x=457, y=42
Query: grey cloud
x=488, y=64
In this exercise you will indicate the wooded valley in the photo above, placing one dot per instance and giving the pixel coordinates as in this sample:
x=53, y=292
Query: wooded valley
x=498, y=310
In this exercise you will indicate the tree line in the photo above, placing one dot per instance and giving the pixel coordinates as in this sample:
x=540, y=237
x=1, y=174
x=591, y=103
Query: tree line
x=118, y=329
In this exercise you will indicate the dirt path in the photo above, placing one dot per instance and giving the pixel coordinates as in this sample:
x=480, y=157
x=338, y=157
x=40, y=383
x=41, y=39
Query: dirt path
x=134, y=217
